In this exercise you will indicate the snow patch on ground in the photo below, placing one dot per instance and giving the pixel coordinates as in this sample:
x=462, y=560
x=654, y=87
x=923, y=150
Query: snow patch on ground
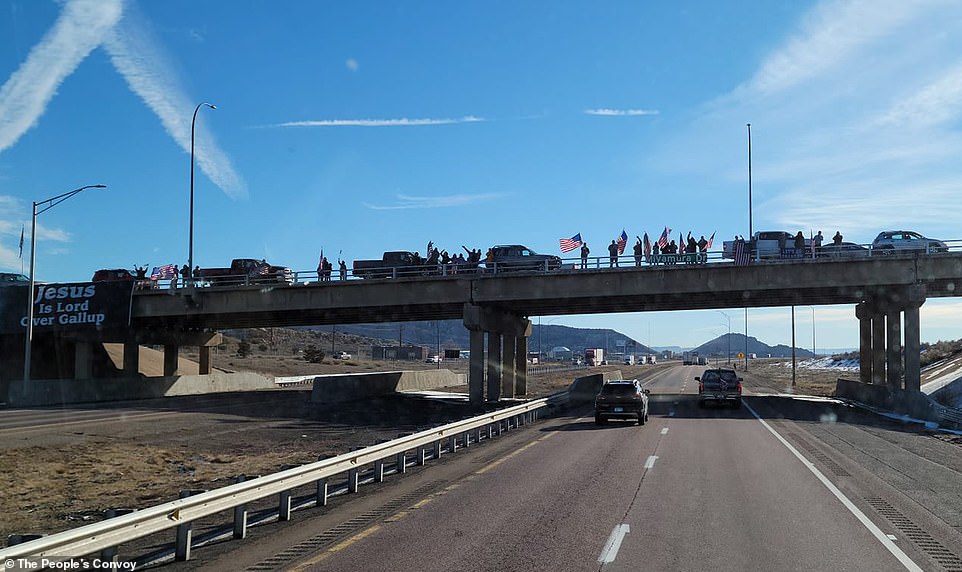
x=825, y=363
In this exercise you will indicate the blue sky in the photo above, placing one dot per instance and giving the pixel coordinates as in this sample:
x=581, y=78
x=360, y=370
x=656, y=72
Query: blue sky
x=359, y=127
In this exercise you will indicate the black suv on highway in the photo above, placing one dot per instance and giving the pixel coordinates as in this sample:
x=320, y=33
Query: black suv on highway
x=621, y=399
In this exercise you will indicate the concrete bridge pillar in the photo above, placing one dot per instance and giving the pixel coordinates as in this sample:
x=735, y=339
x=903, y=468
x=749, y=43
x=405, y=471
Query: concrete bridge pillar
x=131, y=357
x=494, y=366
x=476, y=368
x=508, y=366
x=864, y=312
x=893, y=347
x=878, y=348
x=170, y=359
x=507, y=349
x=913, y=375
x=83, y=360
x=521, y=367
x=203, y=360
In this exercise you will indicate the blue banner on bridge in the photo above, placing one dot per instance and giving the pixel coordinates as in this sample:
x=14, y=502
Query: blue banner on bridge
x=66, y=307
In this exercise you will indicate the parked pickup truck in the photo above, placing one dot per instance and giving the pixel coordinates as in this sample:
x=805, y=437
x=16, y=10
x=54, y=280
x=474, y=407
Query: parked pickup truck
x=719, y=386
x=511, y=257
x=393, y=265
x=769, y=244
x=244, y=271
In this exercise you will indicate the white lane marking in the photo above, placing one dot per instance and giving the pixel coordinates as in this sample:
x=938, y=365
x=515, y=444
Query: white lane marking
x=651, y=461
x=664, y=431
x=610, y=551
x=876, y=532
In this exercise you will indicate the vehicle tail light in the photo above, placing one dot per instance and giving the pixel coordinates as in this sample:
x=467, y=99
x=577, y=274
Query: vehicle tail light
x=701, y=387
x=739, y=388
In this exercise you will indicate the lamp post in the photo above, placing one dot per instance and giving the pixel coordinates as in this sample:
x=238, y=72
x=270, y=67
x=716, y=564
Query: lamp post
x=729, y=356
x=814, y=354
x=190, y=246
x=47, y=205
x=750, y=229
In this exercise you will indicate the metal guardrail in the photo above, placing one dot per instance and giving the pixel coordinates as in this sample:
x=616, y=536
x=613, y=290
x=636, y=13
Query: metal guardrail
x=111, y=533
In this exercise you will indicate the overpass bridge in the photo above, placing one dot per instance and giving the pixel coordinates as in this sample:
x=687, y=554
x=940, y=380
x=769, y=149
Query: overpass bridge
x=887, y=292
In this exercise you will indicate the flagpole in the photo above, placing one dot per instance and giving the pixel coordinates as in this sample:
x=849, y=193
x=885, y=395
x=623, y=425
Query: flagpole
x=750, y=228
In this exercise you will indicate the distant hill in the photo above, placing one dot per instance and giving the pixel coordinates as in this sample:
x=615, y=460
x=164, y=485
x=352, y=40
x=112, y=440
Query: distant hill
x=453, y=335
x=721, y=345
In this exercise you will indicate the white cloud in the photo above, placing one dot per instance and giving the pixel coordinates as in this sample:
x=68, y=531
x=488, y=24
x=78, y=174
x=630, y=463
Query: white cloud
x=830, y=35
x=25, y=95
x=401, y=122
x=621, y=112
x=936, y=103
x=411, y=202
x=148, y=73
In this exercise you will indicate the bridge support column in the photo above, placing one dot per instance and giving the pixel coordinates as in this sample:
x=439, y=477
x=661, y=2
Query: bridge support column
x=131, y=357
x=508, y=362
x=83, y=360
x=204, y=360
x=864, y=314
x=893, y=348
x=521, y=367
x=913, y=375
x=494, y=366
x=170, y=359
x=878, y=348
x=476, y=368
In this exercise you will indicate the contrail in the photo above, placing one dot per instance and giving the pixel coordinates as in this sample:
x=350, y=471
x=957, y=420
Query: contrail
x=79, y=29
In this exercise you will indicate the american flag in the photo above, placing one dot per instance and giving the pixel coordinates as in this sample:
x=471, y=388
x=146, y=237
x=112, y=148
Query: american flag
x=165, y=272
x=742, y=253
x=646, y=245
x=710, y=240
x=622, y=242
x=569, y=244
x=663, y=239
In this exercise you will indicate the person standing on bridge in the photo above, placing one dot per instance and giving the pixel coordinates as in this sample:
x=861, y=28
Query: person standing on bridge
x=837, y=239
x=342, y=268
x=612, y=255
x=799, y=243
x=638, y=250
x=584, y=255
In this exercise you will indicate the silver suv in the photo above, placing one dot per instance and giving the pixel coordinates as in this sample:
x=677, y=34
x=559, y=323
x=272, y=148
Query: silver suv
x=892, y=241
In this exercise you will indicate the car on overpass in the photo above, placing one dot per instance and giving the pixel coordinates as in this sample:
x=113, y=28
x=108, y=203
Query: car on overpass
x=511, y=257
x=842, y=250
x=895, y=241
x=11, y=279
x=621, y=399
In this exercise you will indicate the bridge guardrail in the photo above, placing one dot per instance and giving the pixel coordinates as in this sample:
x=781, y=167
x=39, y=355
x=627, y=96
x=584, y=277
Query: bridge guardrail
x=111, y=533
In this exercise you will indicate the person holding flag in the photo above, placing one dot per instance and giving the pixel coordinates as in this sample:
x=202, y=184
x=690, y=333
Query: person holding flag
x=612, y=254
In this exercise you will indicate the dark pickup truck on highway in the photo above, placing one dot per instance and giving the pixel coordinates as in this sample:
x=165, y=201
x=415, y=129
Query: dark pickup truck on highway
x=720, y=386
x=392, y=264
x=244, y=271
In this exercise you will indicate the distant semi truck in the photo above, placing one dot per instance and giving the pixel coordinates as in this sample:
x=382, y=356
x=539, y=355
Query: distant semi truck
x=595, y=356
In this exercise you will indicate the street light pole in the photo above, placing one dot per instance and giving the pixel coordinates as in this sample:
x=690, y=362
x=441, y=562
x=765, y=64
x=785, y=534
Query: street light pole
x=729, y=356
x=814, y=354
x=190, y=246
x=49, y=204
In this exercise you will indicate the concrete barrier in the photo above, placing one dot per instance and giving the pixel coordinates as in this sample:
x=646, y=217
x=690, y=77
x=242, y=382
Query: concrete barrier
x=911, y=403
x=586, y=388
x=350, y=386
x=62, y=391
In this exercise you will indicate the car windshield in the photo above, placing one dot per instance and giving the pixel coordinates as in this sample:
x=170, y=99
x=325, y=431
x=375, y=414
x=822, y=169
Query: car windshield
x=263, y=302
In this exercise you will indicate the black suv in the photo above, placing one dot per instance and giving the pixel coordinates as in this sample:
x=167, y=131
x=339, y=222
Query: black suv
x=622, y=399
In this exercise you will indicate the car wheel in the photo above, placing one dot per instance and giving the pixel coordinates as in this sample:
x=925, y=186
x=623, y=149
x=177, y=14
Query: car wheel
x=641, y=418
x=599, y=420
x=738, y=404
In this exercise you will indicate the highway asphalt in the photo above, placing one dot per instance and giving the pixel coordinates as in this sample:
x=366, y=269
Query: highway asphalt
x=781, y=484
